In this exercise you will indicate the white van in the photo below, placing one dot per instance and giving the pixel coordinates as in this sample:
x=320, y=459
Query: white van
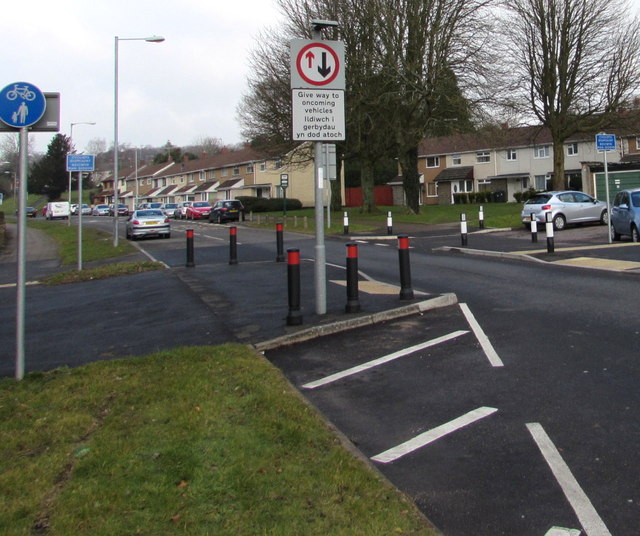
x=57, y=209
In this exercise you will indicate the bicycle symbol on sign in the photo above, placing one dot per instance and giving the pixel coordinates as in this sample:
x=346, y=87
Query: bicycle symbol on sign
x=21, y=91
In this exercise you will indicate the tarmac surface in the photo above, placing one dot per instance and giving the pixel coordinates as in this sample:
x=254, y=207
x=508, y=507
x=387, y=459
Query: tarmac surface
x=69, y=325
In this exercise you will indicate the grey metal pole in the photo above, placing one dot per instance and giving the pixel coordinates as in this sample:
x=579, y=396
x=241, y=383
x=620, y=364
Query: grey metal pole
x=21, y=271
x=79, y=220
x=115, y=147
x=320, y=268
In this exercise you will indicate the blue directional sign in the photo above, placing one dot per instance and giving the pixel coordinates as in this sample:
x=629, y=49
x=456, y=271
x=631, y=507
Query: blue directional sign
x=606, y=142
x=81, y=162
x=21, y=104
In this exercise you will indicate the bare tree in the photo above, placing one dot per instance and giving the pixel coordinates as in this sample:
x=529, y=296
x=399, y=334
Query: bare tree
x=575, y=64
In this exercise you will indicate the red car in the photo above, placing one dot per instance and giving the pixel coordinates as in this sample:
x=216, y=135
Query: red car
x=198, y=210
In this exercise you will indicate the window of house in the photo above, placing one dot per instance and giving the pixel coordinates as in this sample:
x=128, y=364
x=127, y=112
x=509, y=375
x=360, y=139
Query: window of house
x=277, y=164
x=236, y=171
x=512, y=155
x=572, y=149
x=456, y=159
x=148, y=182
x=541, y=151
x=263, y=166
x=433, y=161
x=224, y=172
x=483, y=157
x=212, y=174
x=541, y=182
x=249, y=168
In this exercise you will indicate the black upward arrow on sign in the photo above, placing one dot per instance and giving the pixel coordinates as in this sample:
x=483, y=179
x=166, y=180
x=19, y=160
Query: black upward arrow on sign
x=323, y=69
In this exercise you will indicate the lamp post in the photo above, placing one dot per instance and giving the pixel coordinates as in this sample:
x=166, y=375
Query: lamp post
x=70, y=146
x=152, y=39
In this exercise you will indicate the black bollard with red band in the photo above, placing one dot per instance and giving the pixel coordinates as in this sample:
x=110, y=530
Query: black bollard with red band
x=279, y=243
x=406, y=292
x=190, y=261
x=233, y=245
x=353, y=300
x=294, y=318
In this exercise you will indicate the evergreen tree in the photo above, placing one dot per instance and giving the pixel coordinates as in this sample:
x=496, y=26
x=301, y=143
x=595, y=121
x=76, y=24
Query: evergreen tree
x=49, y=175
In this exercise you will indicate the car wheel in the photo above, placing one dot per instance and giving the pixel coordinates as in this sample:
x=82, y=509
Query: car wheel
x=559, y=222
x=604, y=217
x=635, y=236
x=614, y=235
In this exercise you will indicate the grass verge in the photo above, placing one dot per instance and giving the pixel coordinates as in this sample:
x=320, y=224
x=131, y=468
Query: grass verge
x=101, y=272
x=96, y=245
x=496, y=215
x=198, y=441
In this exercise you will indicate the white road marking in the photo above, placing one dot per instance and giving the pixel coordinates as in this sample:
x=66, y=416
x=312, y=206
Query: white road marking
x=587, y=515
x=489, y=351
x=382, y=360
x=432, y=435
x=13, y=285
x=560, y=531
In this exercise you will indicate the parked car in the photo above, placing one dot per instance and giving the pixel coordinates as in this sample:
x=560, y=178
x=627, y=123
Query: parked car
x=181, y=212
x=123, y=210
x=148, y=222
x=57, y=209
x=30, y=212
x=100, y=210
x=625, y=215
x=73, y=208
x=198, y=210
x=565, y=207
x=170, y=209
x=226, y=210
x=155, y=206
x=86, y=209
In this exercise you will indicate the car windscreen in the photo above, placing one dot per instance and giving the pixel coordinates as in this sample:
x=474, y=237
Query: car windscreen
x=149, y=213
x=201, y=204
x=539, y=199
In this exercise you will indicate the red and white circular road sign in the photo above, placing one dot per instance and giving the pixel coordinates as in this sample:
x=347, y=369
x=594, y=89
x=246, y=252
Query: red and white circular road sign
x=318, y=64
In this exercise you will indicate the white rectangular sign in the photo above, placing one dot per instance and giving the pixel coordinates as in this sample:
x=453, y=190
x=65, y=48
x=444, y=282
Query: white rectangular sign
x=318, y=115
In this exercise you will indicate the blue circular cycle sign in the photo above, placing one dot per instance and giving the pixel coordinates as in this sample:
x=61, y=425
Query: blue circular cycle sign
x=21, y=104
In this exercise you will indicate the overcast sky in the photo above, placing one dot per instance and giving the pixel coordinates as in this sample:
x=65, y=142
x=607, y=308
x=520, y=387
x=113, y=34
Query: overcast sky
x=184, y=88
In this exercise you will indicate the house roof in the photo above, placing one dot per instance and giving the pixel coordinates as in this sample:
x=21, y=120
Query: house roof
x=229, y=184
x=455, y=173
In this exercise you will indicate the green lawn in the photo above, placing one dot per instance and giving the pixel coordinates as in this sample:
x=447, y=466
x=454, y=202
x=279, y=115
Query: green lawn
x=496, y=215
x=195, y=441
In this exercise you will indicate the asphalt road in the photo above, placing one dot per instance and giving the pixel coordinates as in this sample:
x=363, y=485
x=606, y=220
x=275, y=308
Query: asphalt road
x=521, y=422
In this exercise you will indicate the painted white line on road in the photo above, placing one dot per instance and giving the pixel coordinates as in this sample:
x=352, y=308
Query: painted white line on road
x=560, y=531
x=587, y=515
x=13, y=285
x=382, y=360
x=215, y=238
x=489, y=351
x=432, y=435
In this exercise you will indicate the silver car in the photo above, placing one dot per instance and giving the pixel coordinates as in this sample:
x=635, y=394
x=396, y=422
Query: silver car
x=565, y=207
x=148, y=222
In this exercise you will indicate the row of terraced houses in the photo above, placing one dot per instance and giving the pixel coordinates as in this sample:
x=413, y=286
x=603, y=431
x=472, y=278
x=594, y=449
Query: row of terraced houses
x=505, y=162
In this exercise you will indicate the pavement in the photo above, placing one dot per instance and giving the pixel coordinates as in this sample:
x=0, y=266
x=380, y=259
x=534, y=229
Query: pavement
x=69, y=325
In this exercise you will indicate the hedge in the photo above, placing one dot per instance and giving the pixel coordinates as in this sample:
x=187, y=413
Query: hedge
x=263, y=204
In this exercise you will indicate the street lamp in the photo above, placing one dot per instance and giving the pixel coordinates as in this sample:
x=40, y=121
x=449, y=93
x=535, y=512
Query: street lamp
x=70, y=173
x=152, y=39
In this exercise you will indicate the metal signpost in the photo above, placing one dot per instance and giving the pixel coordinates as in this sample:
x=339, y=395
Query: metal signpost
x=21, y=105
x=318, y=84
x=605, y=143
x=284, y=184
x=80, y=163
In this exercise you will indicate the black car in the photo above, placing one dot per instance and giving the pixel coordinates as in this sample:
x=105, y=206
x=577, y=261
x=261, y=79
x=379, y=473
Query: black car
x=30, y=212
x=226, y=210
